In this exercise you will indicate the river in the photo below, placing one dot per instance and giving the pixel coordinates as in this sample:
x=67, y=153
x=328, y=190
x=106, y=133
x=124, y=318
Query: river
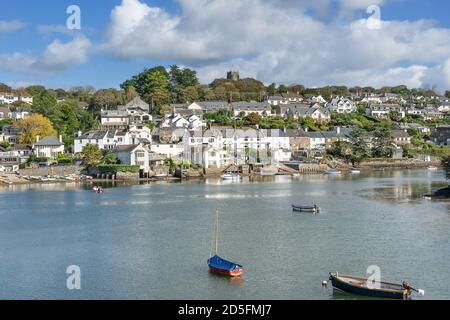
x=151, y=241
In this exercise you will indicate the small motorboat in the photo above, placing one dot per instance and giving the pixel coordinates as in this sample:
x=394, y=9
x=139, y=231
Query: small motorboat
x=368, y=288
x=305, y=208
x=355, y=171
x=333, y=171
x=296, y=175
x=432, y=168
x=230, y=176
x=98, y=189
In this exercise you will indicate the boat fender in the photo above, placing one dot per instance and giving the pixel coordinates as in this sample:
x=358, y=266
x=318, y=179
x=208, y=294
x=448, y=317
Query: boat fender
x=324, y=283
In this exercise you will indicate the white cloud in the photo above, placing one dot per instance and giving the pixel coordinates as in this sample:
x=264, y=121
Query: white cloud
x=58, y=56
x=360, y=4
x=9, y=26
x=273, y=42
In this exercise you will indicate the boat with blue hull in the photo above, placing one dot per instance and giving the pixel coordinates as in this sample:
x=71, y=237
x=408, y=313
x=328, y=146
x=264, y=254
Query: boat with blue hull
x=366, y=287
x=219, y=265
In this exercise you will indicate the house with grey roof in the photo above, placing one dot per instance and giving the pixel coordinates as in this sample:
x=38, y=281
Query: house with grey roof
x=114, y=119
x=383, y=111
x=401, y=137
x=441, y=135
x=9, y=134
x=138, y=111
x=244, y=108
x=48, y=147
x=341, y=105
x=104, y=139
x=209, y=106
x=133, y=155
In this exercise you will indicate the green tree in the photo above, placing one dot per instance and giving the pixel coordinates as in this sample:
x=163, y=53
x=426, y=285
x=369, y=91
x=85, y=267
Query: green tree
x=343, y=150
x=152, y=85
x=67, y=123
x=359, y=144
x=108, y=157
x=91, y=155
x=253, y=119
x=45, y=104
x=106, y=99
x=5, y=87
x=35, y=90
x=183, y=77
x=382, y=143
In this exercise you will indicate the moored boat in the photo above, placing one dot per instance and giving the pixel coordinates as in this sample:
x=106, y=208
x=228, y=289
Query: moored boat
x=333, y=171
x=368, y=288
x=305, y=208
x=230, y=176
x=219, y=265
x=355, y=171
x=432, y=168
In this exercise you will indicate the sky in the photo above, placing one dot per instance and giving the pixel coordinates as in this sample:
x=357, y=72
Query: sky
x=315, y=43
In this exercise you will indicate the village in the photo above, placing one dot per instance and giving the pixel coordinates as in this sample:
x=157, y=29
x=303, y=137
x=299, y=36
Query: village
x=284, y=133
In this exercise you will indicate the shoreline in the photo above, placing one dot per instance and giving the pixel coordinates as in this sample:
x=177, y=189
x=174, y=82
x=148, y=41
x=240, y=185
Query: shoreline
x=16, y=181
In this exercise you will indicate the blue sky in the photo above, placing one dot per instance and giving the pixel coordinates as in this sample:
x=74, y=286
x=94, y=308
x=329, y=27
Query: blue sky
x=284, y=41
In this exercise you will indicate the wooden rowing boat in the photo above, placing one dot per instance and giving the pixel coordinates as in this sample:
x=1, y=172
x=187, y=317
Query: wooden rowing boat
x=368, y=288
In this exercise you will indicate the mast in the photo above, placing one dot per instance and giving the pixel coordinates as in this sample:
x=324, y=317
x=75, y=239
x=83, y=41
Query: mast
x=215, y=242
x=216, y=247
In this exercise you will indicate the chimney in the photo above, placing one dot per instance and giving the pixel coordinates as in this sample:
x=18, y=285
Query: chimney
x=79, y=134
x=306, y=129
x=37, y=139
x=60, y=138
x=338, y=130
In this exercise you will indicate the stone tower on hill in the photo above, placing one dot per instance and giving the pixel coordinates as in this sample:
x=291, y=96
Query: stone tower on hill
x=233, y=75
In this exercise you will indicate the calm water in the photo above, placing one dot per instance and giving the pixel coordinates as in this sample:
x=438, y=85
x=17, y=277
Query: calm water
x=152, y=241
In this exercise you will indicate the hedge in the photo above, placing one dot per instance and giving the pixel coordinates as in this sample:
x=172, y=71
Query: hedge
x=115, y=168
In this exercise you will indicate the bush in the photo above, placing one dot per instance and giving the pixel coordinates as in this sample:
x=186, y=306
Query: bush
x=115, y=168
x=34, y=159
x=64, y=159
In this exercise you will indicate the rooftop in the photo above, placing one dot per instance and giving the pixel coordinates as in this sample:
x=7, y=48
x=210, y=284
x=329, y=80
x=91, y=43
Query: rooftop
x=49, y=141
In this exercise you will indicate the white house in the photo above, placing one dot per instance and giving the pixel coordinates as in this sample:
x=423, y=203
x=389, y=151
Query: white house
x=318, y=99
x=174, y=120
x=114, y=119
x=9, y=134
x=9, y=161
x=383, y=111
x=138, y=111
x=372, y=98
x=444, y=107
x=317, y=141
x=106, y=139
x=140, y=134
x=133, y=155
x=49, y=147
x=341, y=105
x=168, y=150
x=223, y=147
x=246, y=108
x=10, y=98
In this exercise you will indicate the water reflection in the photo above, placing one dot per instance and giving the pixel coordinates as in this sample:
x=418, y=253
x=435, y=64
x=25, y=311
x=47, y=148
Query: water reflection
x=402, y=192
